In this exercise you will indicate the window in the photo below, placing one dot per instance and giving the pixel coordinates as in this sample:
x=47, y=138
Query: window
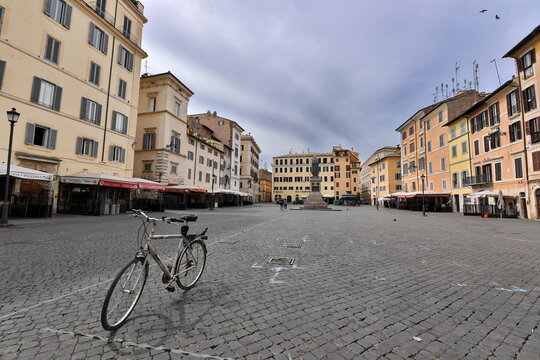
x=428, y=124
x=455, y=180
x=100, y=7
x=52, y=49
x=498, y=171
x=398, y=187
x=440, y=117
x=202, y=146
x=512, y=102
x=529, y=98
x=443, y=164
x=464, y=176
x=444, y=184
x=237, y=137
x=476, y=147
x=483, y=119
x=411, y=147
x=98, y=39
x=430, y=167
x=174, y=169
x=414, y=186
x=40, y=136
x=177, y=109
x=462, y=127
x=201, y=159
x=207, y=177
x=119, y=122
x=1, y=18
x=149, y=141
x=125, y=58
x=454, y=151
x=189, y=174
x=87, y=147
x=191, y=141
x=117, y=154
x=46, y=94
x=152, y=104
x=398, y=164
x=209, y=162
x=421, y=142
x=525, y=64
x=495, y=140
x=494, y=114
x=190, y=155
x=411, y=131
x=441, y=140
x=147, y=166
x=59, y=11
x=95, y=71
x=532, y=127
x=487, y=140
x=126, y=29
x=431, y=186
x=515, y=131
x=2, y=70
x=518, y=168
x=200, y=175
x=403, y=135
x=453, y=132
x=464, y=147
x=405, y=169
x=398, y=176
x=486, y=170
x=122, y=86
x=536, y=160
x=421, y=162
x=175, y=144
x=429, y=146
x=90, y=111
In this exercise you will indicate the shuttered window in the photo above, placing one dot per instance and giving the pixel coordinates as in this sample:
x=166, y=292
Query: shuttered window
x=126, y=30
x=125, y=58
x=1, y=18
x=529, y=98
x=122, y=86
x=149, y=141
x=512, y=103
x=536, y=160
x=98, y=39
x=494, y=114
x=526, y=62
x=117, y=154
x=515, y=131
x=95, y=71
x=46, y=94
x=518, y=168
x=90, y=111
x=52, y=49
x=175, y=144
x=119, y=122
x=87, y=147
x=59, y=11
x=40, y=136
x=2, y=71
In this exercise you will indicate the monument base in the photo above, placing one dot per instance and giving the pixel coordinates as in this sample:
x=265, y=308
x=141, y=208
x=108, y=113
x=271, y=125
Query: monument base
x=315, y=201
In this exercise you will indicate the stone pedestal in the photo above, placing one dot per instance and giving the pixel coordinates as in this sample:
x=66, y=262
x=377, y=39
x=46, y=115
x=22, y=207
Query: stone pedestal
x=315, y=199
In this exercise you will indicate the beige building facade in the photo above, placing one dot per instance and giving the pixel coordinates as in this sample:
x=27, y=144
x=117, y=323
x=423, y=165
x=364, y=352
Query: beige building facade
x=385, y=172
x=249, y=166
x=71, y=69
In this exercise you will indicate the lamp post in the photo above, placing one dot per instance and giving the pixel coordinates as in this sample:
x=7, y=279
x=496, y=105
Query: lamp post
x=213, y=195
x=13, y=117
x=423, y=177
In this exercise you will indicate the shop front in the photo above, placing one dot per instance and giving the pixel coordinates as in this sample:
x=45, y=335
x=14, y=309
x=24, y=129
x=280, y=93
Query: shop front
x=148, y=195
x=488, y=203
x=181, y=197
x=432, y=201
x=95, y=194
x=31, y=192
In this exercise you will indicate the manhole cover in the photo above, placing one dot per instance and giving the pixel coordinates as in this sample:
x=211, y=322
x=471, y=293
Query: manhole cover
x=281, y=261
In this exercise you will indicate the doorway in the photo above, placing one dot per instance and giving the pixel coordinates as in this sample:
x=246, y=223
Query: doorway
x=537, y=193
x=456, y=202
x=523, y=205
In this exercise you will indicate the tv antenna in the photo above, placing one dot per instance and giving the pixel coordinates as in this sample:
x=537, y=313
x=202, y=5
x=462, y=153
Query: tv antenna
x=475, y=75
x=146, y=67
x=456, y=68
x=497, y=70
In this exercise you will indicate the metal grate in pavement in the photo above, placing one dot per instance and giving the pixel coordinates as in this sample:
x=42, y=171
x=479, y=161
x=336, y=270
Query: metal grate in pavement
x=283, y=261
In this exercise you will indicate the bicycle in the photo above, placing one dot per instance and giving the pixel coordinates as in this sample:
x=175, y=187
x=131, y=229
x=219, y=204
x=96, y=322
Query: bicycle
x=128, y=285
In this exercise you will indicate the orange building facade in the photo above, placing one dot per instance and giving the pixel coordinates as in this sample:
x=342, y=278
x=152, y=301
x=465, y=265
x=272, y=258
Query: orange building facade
x=346, y=168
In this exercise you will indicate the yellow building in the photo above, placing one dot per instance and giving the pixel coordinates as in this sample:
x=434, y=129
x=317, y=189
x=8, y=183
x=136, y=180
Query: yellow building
x=385, y=169
x=347, y=177
x=72, y=70
x=292, y=173
x=459, y=160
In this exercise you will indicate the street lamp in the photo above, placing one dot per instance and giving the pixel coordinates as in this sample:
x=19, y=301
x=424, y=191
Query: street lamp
x=423, y=177
x=213, y=195
x=13, y=117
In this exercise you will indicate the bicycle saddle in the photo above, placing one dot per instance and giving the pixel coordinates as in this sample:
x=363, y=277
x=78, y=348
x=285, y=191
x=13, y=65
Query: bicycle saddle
x=190, y=218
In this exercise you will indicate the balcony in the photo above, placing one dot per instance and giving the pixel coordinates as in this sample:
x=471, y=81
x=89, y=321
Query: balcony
x=101, y=12
x=478, y=179
x=535, y=137
x=129, y=35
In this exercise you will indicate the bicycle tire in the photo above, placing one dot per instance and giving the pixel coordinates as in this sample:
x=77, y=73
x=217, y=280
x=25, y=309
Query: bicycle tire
x=195, y=254
x=140, y=271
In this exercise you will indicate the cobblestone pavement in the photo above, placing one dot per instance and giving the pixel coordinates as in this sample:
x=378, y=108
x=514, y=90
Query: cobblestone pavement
x=365, y=284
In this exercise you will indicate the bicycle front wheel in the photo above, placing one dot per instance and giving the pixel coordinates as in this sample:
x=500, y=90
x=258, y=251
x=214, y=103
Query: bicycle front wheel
x=190, y=265
x=125, y=291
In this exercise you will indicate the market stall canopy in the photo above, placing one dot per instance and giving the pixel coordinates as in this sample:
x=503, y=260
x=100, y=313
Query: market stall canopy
x=482, y=194
x=99, y=179
x=424, y=194
x=25, y=173
x=148, y=184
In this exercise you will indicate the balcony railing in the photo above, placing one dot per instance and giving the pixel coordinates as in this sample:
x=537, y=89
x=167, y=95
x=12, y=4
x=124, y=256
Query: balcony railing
x=478, y=179
x=535, y=137
x=101, y=12
x=129, y=35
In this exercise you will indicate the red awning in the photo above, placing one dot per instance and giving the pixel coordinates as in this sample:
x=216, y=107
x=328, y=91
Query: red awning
x=198, y=190
x=431, y=195
x=118, y=184
x=149, y=186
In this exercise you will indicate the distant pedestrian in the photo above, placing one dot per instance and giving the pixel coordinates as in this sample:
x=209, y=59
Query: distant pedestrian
x=285, y=205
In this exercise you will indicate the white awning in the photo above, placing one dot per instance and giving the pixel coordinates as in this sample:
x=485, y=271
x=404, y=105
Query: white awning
x=25, y=173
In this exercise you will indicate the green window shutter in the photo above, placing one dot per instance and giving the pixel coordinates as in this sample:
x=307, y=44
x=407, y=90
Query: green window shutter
x=56, y=51
x=145, y=141
x=52, y=139
x=111, y=152
x=57, y=98
x=66, y=21
x=95, y=146
x=124, y=130
x=123, y=155
x=113, y=120
x=83, y=109
x=2, y=70
x=36, y=87
x=49, y=48
x=79, y=146
x=91, y=33
x=29, y=137
x=104, y=43
x=98, y=114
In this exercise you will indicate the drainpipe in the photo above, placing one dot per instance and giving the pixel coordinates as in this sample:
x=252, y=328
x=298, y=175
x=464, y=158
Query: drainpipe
x=524, y=137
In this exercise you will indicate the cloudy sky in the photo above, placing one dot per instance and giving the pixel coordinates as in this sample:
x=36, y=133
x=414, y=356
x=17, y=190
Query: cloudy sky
x=310, y=74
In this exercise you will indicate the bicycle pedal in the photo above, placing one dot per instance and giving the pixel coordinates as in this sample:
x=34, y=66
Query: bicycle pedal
x=170, y=288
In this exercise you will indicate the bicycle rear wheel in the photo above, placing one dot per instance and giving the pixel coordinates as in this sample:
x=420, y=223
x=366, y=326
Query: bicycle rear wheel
x=125, y=291
x=190, y=265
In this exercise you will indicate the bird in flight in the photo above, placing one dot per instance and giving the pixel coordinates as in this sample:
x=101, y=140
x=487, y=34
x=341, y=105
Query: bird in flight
x=497, y=17
x=483, y=11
